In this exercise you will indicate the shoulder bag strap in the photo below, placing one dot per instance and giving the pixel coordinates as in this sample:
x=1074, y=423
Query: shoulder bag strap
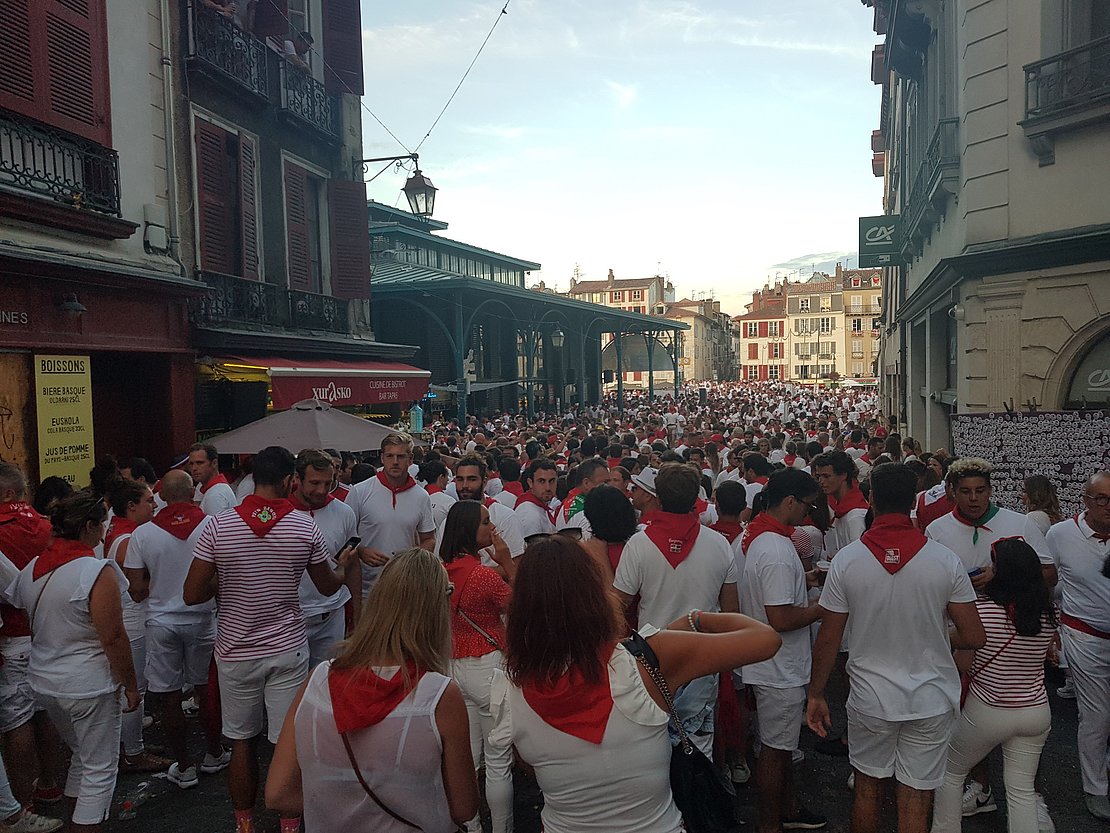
x=38, y=603
x=639, y=648
x=997, y=653
x=366, y=787
x=458, y=609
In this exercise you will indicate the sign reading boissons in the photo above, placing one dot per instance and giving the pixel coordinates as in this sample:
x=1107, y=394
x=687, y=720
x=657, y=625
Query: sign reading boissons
x=63, y=404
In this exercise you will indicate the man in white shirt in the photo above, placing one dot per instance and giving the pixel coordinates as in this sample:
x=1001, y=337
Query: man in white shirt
x=536, y=508
x=435, y=475
x=179, y=637
x=213, y=492
x=756, y=472
x=835, y=472
x=394, y=514
x=676, y=565
x=899, y=590
x=1081, y=547
x=593, y=473
x=774, y=591
x=324, y=615
x=470, y=481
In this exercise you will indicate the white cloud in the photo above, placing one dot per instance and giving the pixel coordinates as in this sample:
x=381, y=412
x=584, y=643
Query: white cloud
x=623, y=94
x=497, y=131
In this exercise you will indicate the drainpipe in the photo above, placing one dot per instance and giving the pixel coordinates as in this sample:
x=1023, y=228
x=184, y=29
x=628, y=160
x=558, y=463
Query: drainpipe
x=168, y=111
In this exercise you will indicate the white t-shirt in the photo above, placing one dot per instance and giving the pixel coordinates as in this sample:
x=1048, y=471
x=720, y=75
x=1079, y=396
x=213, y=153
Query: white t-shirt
x=1079, y=557
x=726, y=474
x=844, y=530
x=134, y=613
x=167, y=559
x=244, y=487
x=336, y=520
x=976, y=554
x=899, y=659
x=507, y=524
x=773, y=575
x=534, y=520
x=217, y=498
x=387, y=524
x=506, y=498
x=441, y=505
x=667, y=592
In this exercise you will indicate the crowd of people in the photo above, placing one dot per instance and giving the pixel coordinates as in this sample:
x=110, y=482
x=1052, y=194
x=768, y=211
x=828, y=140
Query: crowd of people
x=530, y=592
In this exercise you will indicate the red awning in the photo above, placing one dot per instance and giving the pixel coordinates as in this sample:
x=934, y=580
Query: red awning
x=339, y=383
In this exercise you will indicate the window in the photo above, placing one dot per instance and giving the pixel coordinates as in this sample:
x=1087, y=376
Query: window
x=227, y=228
x=803, y=305
x=857, y=369
x=773, y=372
x=826, y=303
x=826, y=325
x=801, y=371
x=857, y=325
x=753, y=329
x=637, y=295
x=774, y=329
x=776, y=350
x=826, y=348
x=753, y=351
x=876, y=323
x=615, y=297
x=826, y=369
x=302, y=227
x=857, y=349
x=753, y=371
x=857, y=304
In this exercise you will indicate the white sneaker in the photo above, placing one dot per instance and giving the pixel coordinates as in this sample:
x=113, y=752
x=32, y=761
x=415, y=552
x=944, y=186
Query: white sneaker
x=212, y=764
x=1044, y=820
x=32, y=823
x=1066, y=691
x=976, y=800
x=190, y=706
x=184, y=778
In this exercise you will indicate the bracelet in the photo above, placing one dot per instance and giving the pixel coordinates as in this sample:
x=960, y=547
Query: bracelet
x=694, y=619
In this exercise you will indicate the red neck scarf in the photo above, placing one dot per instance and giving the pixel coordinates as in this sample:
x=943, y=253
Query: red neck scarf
x=764, y=523
x=568, y=504
x=396, y=490
x=528, y=497
x=24, y=533
x=730, y=529
x=179, y=519
x=853, y=499
x=762, y=481
x=262, y=514
x=572, y=705
x=614, y=552
x=674, y=535
x=893, y=540
x=298, y=502
x=219, y=478
x=116, y=529
x=61, y=551
x=432, y=489
x=514, y=487
x=701, y=506
x=487, y=501
x=789, y=459
x=340, y=491
x=360, y=698
x=866, y=458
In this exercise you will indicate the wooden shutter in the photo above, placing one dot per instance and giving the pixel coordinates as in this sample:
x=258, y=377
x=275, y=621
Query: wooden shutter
x=296, y=227
x=248, y=206
x=350, y=239
x=343, y=46
x=271, y=18
x=215, y=201
x=762, y=329
x=54, y=64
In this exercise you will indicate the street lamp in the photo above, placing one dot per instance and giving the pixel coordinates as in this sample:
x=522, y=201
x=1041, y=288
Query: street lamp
x=557, y=338
x=418, y=190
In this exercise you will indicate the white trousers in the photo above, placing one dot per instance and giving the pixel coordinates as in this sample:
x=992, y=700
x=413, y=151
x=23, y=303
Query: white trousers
x=89, y=727
x=980, y=728
x=1089, y=660
x=131, y=731
x=473, y=676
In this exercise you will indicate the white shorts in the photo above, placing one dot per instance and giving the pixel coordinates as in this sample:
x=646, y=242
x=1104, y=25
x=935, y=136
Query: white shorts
x=915, y=752
x=17, y=700
x=254, y=690
x=780, y=712
x=178, y=655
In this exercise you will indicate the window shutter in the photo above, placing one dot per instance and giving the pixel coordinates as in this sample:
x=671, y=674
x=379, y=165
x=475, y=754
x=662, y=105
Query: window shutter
x=271, y=19
x=762, y=329
x=343, y=46
x=248, y=206
x=216, y=227
x=55, y=64
x=296, y=227
x=350, y=239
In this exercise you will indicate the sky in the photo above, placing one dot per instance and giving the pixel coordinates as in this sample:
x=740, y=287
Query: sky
x=718, y=142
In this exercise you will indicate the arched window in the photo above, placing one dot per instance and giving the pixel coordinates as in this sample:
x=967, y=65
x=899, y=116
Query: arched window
x=1090, y=386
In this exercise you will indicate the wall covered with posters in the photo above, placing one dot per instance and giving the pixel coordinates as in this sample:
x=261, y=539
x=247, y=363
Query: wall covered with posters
x=18, y=437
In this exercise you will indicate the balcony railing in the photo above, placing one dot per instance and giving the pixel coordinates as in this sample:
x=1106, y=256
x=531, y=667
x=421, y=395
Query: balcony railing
x=52, y=163
x=309, y=311
x=1072, y=80
x=305, y=98
x=937, y=179
x=224, y=47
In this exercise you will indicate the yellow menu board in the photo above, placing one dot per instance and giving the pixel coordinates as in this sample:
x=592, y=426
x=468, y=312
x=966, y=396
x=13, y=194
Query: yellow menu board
x=63, y=399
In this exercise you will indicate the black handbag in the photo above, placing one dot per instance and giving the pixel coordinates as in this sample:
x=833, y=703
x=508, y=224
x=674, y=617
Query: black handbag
x=701, y=792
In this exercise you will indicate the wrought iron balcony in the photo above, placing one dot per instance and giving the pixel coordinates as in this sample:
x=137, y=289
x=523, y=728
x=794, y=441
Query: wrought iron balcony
x=1068, y=90
x=309, y=311
x=937, y=179
x=232, y=300
x=305, y=98
x=233, y=53
x=48, y=162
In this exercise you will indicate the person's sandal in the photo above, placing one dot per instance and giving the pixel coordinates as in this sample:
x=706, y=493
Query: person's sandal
x=143, y=762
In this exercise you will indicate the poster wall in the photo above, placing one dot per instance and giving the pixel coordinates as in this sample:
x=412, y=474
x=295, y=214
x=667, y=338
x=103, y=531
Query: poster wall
x=17, y=412
x=1065, y=446
x=63, y=400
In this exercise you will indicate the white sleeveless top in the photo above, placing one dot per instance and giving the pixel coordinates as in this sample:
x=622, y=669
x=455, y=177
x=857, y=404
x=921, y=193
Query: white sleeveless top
x=621, y=785
x=134, y=613
x=400, y=758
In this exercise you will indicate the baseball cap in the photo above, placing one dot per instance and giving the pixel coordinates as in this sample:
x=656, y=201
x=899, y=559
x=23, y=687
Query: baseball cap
x=645, y=480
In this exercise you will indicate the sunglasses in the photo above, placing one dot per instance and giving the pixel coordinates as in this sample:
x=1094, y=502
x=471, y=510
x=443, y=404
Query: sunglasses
x=994, y=555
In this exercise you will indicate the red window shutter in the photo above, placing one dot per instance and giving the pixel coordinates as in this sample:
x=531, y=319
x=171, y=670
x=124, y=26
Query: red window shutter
x=343, y=46
x=763, y=329
x=296, y=227
x=215, y=202
x=271, y=19
x=753, y=351
x=350, y=239
x=763, y=371
x=55, y=64
x=248, y=206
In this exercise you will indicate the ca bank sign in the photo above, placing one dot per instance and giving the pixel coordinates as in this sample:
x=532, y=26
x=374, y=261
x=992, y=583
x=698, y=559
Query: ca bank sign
x=880, y=240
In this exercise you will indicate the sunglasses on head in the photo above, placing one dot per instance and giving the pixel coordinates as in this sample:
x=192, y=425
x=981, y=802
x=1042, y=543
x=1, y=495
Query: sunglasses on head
x=994, y=555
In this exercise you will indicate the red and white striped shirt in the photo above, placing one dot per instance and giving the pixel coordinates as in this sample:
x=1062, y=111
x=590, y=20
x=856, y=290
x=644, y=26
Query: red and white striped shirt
x=1014, y=679
x=259, y=577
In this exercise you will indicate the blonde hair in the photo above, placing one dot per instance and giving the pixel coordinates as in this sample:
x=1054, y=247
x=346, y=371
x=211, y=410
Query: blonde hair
x=398, y=438
x=968, y=467
x=406, y=618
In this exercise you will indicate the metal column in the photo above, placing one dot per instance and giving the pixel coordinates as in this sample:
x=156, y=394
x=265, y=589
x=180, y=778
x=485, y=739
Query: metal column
x=462, y=385
x=620, y=372
x=649, y=340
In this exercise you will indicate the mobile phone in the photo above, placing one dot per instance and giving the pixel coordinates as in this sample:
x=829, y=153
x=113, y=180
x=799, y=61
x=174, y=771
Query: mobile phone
x=353, y=541
x=976, y=572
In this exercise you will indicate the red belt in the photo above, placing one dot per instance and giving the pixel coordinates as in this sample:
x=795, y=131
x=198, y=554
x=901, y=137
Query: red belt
x=1080, y=625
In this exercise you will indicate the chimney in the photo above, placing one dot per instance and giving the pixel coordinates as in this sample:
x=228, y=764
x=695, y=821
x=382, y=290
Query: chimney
x=573, y=283
x=611, y=277
x=839, y=271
